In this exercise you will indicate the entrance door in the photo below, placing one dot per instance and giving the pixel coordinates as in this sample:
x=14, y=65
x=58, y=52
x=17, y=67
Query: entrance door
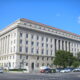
x=32, y=66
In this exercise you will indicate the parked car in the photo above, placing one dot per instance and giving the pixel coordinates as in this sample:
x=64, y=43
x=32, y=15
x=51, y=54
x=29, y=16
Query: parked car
x=45, y=70
x=1, y=70
x=76, y=70
x=59, y=69
x=65, y=70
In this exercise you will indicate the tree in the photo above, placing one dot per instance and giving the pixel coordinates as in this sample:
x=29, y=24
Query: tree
x=78, y=56
x=63, y=59
x=76, y=64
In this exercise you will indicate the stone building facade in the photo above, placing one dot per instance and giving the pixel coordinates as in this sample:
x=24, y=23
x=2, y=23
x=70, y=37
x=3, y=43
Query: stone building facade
x=28, y=44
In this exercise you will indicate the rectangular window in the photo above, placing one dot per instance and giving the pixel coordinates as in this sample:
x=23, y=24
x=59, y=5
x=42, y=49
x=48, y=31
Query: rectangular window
x=51, y=52
x=32, y=43
x=37, y=51
x=20, y=34
x=26, y=49
x=37, y=37
x=26, y=57
x=20, y=41
x=38, y=58
x=26, y=42
x=47, y=52
x=46, y=39
x=42, y=58
x=20, y=49
x=32, y=36
x=46, y=45
x=32, y=50
x=26, y=35
x=42, y=51
x=42, y=38
x=37, y=43
x=42, y=44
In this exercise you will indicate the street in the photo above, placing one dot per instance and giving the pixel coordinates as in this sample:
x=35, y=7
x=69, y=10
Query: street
x=40, y=76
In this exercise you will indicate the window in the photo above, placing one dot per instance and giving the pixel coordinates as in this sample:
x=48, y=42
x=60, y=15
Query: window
x=51, y=40
x=26, y=42
x=47, y=58
x=51, y=46
x=20, y=34
x=37, y=37
x=31, y=36
x=42, y=38
x=14, y=41
x=26, y=49
x=26, y=35
x=20, y=49
x=32, y=50
x=14, y=48
x=51, y=52
x=46, y=45
x=20, y=41
x=42, y=44
x=42, y=58
x=37, y=51
x=26, y=64
x=46, y=39
x=32, y=43
x=38, y=58
x=37, y=43
x=47, y=52
x=26, y=57
x=42, y=51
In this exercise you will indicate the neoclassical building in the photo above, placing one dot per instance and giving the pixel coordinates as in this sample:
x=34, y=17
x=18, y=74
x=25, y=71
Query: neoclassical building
x=29, y=44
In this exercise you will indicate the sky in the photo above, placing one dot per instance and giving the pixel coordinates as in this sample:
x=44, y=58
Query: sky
x=62, y=14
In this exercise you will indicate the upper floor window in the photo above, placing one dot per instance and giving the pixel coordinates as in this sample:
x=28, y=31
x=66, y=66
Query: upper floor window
x=26, y=42
x=32, y=50
x=26, y=35
x=47, y=52
x=37, y=37
x=32, y=43
x=42, y=38
x=42, y=51
x=26, y=49
x=46, y=39
x=37, y=51
x=20, y=49
x=42, y=44
x=20, y=41
x=32, y=36
x=20, y=34
x=38, y=58
x=37, y=43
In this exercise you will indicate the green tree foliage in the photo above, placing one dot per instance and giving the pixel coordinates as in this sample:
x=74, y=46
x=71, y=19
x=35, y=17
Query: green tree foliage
x=63, y=59
x=78, y=56
x=76, y=64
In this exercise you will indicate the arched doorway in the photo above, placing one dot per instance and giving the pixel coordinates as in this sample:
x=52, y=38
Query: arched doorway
x=32, y=66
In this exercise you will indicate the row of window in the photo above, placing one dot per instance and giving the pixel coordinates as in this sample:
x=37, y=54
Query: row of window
x=37, y=37
x=38, y=58
x=37, y=50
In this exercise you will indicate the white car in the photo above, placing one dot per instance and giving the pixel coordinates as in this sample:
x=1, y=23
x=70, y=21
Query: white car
x=76, y=70
x=65, y=70
x=1, y=70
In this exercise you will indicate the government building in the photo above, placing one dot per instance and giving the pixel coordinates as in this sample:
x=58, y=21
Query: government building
x=26, y=44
